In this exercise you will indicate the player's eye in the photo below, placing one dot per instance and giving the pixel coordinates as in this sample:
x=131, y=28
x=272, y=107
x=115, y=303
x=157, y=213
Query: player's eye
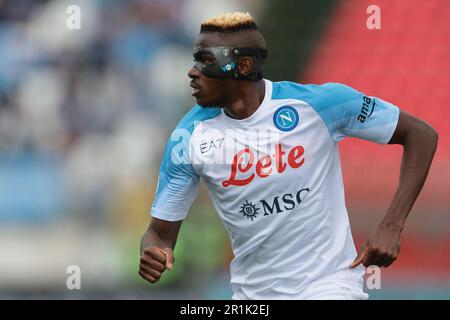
x=203, y=59
x=207, y=61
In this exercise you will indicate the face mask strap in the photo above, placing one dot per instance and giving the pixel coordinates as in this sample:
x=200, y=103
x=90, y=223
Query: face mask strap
x=225, y=65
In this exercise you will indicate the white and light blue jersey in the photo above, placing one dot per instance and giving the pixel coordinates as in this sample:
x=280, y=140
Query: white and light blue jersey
x=275, y=180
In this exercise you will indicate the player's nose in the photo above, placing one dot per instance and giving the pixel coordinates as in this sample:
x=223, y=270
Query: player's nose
x=194, y=73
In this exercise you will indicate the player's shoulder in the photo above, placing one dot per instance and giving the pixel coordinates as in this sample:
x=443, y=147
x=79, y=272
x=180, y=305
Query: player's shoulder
x=196, y=115
x=317, y=95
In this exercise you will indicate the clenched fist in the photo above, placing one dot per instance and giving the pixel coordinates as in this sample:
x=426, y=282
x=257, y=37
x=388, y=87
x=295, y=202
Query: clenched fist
x=154, y=261
x=381, y=249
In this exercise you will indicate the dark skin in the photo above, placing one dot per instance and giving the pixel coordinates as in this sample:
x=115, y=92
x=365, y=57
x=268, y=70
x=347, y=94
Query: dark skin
x=419, y=141
x=240, y=99
x=157, y=246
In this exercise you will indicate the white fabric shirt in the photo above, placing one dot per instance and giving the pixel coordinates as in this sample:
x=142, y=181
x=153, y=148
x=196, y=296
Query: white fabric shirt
x=275, y=180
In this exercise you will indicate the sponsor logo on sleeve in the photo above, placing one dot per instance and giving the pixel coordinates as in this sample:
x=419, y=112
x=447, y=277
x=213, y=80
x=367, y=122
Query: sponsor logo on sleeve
x=366, y=109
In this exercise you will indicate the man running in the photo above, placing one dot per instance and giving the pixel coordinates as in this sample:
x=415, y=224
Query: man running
x=268, y=153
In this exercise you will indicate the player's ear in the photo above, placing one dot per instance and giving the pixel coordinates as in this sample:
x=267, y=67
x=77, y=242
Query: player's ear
x=245, y=65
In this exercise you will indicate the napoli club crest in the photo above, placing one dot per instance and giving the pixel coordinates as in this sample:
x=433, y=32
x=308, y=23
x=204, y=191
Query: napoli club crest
x=285, y=118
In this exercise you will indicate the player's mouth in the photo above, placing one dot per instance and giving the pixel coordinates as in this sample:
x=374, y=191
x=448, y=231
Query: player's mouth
x=195, y=89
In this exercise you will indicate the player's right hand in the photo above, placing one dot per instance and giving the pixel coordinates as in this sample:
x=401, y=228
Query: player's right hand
x=154, y=261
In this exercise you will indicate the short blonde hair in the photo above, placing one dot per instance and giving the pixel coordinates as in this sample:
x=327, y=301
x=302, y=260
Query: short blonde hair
x=229, y=22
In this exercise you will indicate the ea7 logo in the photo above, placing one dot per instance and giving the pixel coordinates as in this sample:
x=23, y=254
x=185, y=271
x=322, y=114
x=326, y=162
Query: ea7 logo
x=367, y=109
x=213, y=144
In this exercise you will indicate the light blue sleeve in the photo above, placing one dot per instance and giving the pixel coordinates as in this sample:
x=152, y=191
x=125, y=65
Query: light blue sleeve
x=178, y=182
x=348, y=112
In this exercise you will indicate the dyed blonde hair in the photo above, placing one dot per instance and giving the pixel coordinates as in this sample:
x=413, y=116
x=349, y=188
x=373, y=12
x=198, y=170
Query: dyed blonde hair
x=229, y=22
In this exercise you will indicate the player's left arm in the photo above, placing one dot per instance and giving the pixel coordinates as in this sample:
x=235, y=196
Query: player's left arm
x=419, y=141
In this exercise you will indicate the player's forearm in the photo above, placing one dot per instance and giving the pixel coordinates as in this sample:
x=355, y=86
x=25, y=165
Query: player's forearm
x=419, y=146
x=160, y=233
x=152, y=238
x=157, y=246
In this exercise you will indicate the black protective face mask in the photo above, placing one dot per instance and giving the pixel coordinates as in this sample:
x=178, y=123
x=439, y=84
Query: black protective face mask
x=224, y=62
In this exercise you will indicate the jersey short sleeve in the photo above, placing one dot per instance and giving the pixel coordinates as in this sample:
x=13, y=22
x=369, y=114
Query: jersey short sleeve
x=345, y=111
x=348, y=112
x=178, y=182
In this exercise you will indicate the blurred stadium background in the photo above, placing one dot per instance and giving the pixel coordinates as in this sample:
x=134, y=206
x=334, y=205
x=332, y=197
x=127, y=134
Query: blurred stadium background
x=84, y=116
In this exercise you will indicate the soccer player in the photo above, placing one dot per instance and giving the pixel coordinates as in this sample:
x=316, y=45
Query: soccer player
x=268, y=153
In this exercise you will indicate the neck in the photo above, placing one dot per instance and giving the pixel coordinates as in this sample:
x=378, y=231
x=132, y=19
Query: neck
x=247, y=101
